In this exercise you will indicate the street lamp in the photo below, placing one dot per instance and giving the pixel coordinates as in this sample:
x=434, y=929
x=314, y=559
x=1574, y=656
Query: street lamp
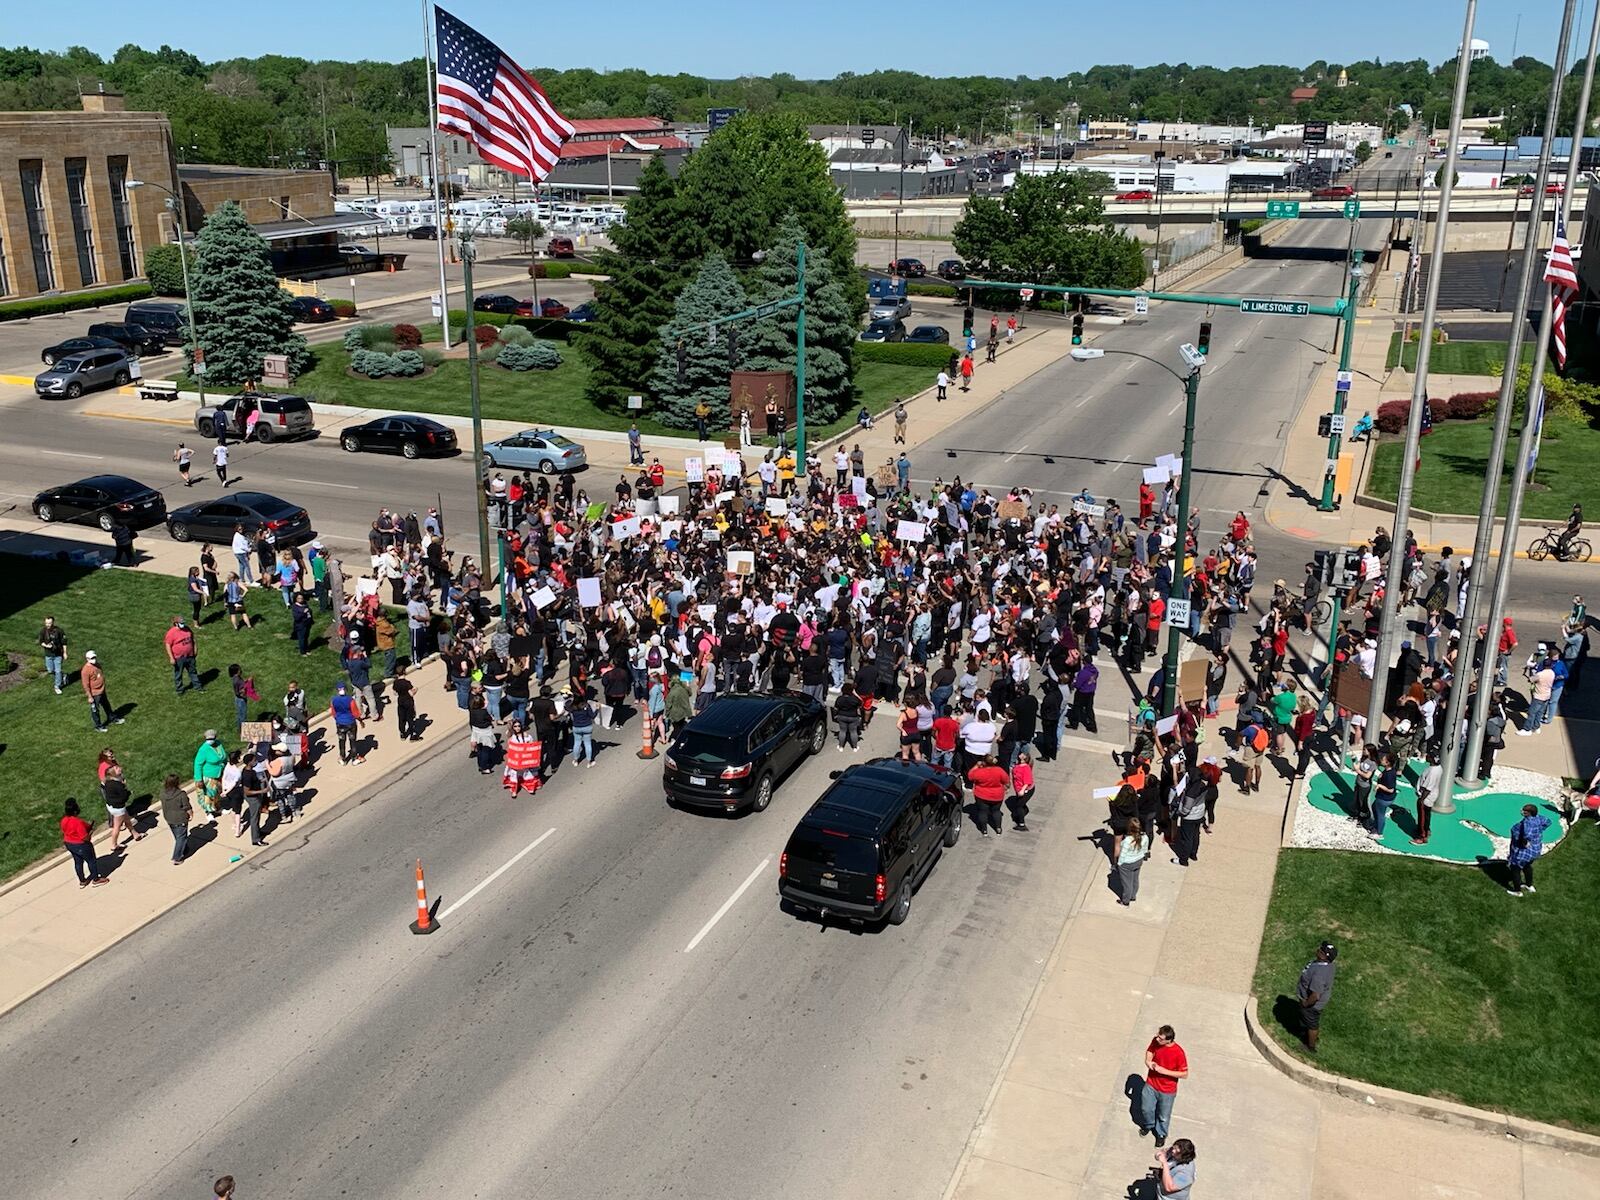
x=1178, y=590
x=173, y=204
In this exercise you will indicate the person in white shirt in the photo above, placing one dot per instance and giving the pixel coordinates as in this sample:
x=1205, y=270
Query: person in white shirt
x=219, y=459
x=841, y=467
x=1367, y=658
x=978, y=735
x=943, y=385
x=241, y=554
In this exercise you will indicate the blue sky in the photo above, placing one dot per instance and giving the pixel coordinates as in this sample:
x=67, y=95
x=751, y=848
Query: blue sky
x=811, y=38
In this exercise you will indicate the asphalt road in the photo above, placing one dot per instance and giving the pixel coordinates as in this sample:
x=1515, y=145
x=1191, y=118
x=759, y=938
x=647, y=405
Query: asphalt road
x=579, y=1027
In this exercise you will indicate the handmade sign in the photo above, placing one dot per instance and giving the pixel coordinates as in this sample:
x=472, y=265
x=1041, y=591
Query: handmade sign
x=694, y=469
x=257, y=731
x=669, y=506
x=1012, y=508
x=777, y=506
x=543, y=598
x=911, y=531
x=742, y=562
x=589, y=592
x=1155, y=476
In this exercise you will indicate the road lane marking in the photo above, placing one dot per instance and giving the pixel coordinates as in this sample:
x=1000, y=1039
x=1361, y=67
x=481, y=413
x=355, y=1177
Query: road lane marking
x=728, y=903
x=1017, y=451
x=514, y=860
x=70, y=454
x=349, y=487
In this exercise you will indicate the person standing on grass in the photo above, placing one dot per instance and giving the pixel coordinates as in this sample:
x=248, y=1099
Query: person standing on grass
x=53, y=641
x=1314, y=990
x=179, y=643
x=77, y=837
x=93, y=681
x=1527, y=843
x=1128, y=851
x=1165, y=1064
x=175, y=811
x=300, y=620
x=194, y=588
x=347, y=721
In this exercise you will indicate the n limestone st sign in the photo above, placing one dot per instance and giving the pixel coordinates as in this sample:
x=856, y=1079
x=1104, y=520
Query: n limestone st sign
x=1275, y=308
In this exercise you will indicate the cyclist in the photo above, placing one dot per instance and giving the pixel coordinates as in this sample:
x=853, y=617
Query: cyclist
x=1574, y=527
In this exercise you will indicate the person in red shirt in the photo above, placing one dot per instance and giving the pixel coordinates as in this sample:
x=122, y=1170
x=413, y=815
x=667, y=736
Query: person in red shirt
x=77, y=837
x=945, y=731
x=658, y=473
x=1147, y=501
x=966, y=372
x=989, y=781
x=1021, y=790
x=1165, y=1063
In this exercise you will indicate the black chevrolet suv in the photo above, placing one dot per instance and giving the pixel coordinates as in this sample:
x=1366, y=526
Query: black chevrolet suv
x=870, y=840
x=731, y=754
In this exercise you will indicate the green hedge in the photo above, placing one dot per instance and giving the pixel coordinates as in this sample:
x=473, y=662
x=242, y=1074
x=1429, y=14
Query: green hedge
x=40, y=306
x=543, y=327
x=907, y=354
x=947, y=290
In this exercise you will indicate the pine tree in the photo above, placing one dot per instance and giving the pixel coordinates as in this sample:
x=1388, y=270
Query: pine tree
x=239, y=310
x=646, y=272
x=830, y=324
x=714, y=292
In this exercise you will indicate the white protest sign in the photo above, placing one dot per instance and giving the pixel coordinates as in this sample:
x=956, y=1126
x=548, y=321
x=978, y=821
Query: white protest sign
x=668, y=505
x=625, y=529
x=694, y=469
x=724, y=497
x=910, y=531
x=1166, y=725
x=1155, y=476
x=589, y=592
x=742, y=562
x=732, y=464
x=1104, y=793
x=670, y=530
x=646, y=508
x=858, y=485
x=707, y=612
x=1090, y=510
x=828, y=596
x=543, y=598
x=777, y=506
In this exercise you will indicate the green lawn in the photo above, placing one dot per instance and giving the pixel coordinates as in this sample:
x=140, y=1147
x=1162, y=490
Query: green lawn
x=1455, y=458
x=1445, y=986
x=49, y=748
x=1459, y=358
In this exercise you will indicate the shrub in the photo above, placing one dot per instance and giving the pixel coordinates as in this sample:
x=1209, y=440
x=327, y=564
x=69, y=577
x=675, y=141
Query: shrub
x=1441, y=408
x=489, y=353
x=515, y=335
x=913, y=354
x=407, y=337
x=431, y=356
x=355, y=339
x=947, y=290
x=552, y=270
x=377, y=364
x=343, y=308
x=39, y=306
x=368, y=337
x=458, y=320
x=546, y=327
x=583, y=267
x=536, y=356
x=163, y=267
x=1251, y=226
x=485, y=335
x=382, y=346
x=1468, y=406
x=1392, y=415
x=407, y=362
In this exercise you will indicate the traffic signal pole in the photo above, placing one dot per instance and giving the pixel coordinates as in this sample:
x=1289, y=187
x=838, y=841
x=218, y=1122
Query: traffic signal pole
x=1179, y=591
x=1341, y=391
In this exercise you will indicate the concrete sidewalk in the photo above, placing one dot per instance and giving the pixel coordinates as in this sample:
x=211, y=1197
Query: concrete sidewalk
x=1058, y=1123
x=49, y=926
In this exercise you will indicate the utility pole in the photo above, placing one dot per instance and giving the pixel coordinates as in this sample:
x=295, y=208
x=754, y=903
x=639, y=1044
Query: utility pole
x=1179, y=592
x=1419, y=390
x=469, y=252
x=1341, y=388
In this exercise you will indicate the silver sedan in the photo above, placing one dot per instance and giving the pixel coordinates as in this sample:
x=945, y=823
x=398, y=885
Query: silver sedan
x=542, y=450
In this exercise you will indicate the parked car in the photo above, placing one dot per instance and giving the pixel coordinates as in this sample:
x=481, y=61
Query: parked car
x=423, y=233
x=1134, y=195
x=731, y=754
x=78, y=373
x=542, y=450
x=561, y=247
x=312, y=309
x=909, y=267
x=930, y=334
x=1335, y=191
x=884, y=329
x=102, y=500
x=77, y=345
x=869, y=842
x=135, y=340
x=498, y=302
x=353, y=250
x=952, y=268
x=412, y=436
x=898, y=307
x=213, y=520
x=281, y=417
x=553, y=310
x=168, y=318
x=582, y=315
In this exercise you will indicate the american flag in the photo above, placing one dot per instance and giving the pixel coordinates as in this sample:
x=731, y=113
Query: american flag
x=1427, y=417
x=1562, y=277
x=494, y=103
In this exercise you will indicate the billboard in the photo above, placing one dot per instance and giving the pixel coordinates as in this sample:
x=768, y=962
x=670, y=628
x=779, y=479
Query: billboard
x=1316, y=133
x=716, y=118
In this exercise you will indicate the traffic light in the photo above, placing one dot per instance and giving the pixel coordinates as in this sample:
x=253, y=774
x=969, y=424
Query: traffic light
x=1349, y=568
x=683, y=364
x=1077, y=329
x=733, y=349
x=1204, y=343
x=1323, y=566
x=1325, y=425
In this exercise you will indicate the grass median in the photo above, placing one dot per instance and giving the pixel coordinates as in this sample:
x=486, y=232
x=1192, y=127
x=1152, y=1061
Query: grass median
x=49, y=746
x=1458, y=358
x=1445, y=986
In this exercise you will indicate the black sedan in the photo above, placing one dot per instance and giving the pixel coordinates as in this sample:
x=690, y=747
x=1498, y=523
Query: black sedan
x=312, y=309
x=931, y=334
x=423, y=233
x=952, y=268
x=731, y=755
x=411, y=436
x=76, y=345
x=495, y=302
x=214, y=520
x=103, y=500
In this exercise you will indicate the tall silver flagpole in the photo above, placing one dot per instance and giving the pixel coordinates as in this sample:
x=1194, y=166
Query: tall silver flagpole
x=440, y=215
x=1419, y=393
x=1528, y=444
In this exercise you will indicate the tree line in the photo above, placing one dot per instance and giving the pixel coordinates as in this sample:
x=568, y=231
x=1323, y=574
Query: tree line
x=282, y=110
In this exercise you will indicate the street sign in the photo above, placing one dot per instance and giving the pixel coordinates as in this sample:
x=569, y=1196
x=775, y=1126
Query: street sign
x=1178, y=613
x=1276, y=308
x=1336, y=424
x=1342, y=386
x=1316, y=133
x=1286, y=210
x=1346, y=376
x=1141, y=305
x=868, y=136
x=1025, y=293
x=1391, y=141
x=1352, y=209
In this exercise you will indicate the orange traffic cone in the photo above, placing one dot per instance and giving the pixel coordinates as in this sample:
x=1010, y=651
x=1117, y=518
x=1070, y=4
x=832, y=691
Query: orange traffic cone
x=424, y=923
x=648, y=748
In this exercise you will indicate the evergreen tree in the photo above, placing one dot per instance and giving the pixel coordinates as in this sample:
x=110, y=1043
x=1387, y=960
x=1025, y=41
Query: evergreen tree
x=620, y=343
x=830, y=323
x=239, y=310
x=714, y=292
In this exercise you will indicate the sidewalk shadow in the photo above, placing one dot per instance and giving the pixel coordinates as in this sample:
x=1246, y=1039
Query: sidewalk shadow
x=1143, y=1189
x=1132, y=1090
x=1286, y=1014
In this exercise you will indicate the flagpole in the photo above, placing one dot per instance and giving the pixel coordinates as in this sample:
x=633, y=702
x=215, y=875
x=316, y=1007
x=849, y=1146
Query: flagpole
x=1419, y=393
x=1467, y=760
x=1532, y=417
x=439, y=212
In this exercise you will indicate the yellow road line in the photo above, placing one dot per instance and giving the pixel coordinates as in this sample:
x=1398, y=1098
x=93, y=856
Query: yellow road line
x=89, y=412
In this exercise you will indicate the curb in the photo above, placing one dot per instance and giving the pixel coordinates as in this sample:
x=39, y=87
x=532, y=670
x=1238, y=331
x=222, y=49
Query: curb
x=1446, y=1112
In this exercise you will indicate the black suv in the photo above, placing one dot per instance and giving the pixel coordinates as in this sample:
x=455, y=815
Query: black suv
x=870, y=841
x=730, y=755
x=166, y=317
x=135, y=339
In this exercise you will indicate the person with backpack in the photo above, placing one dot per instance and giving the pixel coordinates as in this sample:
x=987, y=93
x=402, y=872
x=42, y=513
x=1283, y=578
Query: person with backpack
x=1253, y=740
x=347, y=721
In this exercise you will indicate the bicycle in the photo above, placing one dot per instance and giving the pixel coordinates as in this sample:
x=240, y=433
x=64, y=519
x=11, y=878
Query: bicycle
x=1550, y=545
x=1321, y=612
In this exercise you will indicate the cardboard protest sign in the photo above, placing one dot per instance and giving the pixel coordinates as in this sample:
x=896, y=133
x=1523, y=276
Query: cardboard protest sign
x=911, y=531
x=1012, y=508
x=589, y=592
x=886, y=477
x=742, y=562
x=256, y=731
x=1192, y=679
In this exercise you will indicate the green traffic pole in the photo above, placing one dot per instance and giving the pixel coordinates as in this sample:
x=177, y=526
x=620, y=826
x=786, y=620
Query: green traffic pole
x=468, y=252
x=1333, y=645
x=1339, y=395
x=800, y=368
x=1180, y=577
